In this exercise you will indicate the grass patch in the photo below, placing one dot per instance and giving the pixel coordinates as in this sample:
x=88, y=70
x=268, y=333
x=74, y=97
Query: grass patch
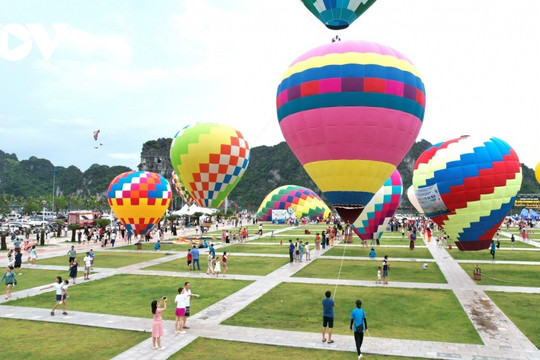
x=150, y=247
x=506, y=274
x=257, y=249
x=131, y=295
x=106, y=259
x=236, y=350
x=26, y=339
x=241, y=265
x=367, y=270
x=430, y=315
x=392, y=252
x=502, y=255
x=522, y=309
x=35, y=277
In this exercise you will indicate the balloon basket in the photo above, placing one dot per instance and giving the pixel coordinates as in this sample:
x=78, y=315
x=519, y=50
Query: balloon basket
x=477, y=274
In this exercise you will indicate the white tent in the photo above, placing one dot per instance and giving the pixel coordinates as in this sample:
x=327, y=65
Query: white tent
x=192, y=209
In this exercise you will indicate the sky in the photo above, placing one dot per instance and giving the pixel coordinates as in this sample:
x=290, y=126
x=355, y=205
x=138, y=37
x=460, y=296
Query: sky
x=142, y=70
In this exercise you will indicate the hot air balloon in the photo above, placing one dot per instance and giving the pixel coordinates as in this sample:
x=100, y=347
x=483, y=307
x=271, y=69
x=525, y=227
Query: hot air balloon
x=375, y=218
x=337, y=14
x=180, y=189
x=467, y=186
x=350, y=111
x=209, y=159
x=537, y=172
x=303, y=201
x=139, y=199
x=414, y=200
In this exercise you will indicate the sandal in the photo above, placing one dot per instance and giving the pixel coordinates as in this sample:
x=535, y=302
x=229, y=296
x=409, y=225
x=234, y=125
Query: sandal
x=323, y=340
x=52, y=313
x=331, y=342
x=64, y=313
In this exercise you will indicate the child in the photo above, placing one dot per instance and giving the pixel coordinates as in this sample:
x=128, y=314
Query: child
x=157, y=246
x=217, y=266
x=379, y=270
x=64, y=290
x=91, y=259
x=189, y=258
x=33, y=255
x=157, y=324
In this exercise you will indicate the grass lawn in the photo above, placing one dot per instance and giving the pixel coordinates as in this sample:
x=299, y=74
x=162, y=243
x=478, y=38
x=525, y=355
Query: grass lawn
x=392, y=252
x=34, y=277
x=105, y=259
x=235, y=350
x=256, y=249
x=522, y=309
x=24, y=339
x=150, y=246
x=430, y=315
x=241, y=265
x=507, y=244
x=508, y=255
x=506, y=274
x=367, y=270
x=131, y=295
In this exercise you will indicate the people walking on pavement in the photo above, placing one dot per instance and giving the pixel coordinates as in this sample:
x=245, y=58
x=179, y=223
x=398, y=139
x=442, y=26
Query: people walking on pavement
x=358, y=326
x=58, y=287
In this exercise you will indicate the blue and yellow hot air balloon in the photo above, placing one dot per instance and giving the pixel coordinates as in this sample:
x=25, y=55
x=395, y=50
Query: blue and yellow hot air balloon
x=350, y=111
x=337, y=14
x=467, y=186
x=139, y=199
x=210, y=160
x=537, y=172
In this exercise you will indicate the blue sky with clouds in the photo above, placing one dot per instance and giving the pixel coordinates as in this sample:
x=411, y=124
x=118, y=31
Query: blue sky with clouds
x=141, y=70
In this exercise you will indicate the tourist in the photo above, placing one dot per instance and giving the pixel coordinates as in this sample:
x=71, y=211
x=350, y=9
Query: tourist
x=73, y=268
x=87, y=260
x=195, y=255
x=328, y=317
x=224, y=259
x=180, y=312
x=157, y=324
x=10, y=279
x=189, y=295
x=385, y=268
x=58, y=287
x=71, y=253
x=217, y=266
x=358, y=325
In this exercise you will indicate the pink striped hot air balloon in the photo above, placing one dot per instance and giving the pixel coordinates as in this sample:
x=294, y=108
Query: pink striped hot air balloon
x=350, y=111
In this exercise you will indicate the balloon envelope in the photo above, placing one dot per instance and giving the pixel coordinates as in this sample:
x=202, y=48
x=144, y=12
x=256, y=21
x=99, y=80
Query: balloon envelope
x=180, y=189
x=350, y=111
x=414, y=200
x=537, y=172
x=209, y=159
x=337, y=14
x=139, y=199
x=375, y=218
x=304, y=202
x=467, y=186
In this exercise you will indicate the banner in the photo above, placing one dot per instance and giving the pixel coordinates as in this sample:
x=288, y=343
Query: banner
x=430, y=200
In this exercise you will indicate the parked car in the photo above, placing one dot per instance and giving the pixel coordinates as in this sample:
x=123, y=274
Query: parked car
x=37, y=221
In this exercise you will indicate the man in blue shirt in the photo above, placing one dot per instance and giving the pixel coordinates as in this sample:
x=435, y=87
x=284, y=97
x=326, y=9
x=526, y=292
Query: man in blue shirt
x=212, y=251
x=358, y=325
x=195, y=255
x=291, y=251
x=328, y=317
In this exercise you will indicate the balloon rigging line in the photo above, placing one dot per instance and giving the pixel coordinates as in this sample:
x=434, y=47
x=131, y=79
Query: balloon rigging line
x=340, y=267
x=262, y=131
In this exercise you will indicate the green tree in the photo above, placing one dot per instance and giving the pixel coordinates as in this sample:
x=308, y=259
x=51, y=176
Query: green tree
x=103, y=223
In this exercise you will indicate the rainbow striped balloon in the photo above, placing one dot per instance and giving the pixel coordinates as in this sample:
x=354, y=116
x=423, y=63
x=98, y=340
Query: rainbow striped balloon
x=467, y=186
x=303, y=201
x=375, y=218
x=350, y=111
x=180, y=189
x=210, y=160
x=139, y=199
x=337, y=14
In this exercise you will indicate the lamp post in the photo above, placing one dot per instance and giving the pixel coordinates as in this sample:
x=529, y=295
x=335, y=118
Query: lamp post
x=43, y=202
